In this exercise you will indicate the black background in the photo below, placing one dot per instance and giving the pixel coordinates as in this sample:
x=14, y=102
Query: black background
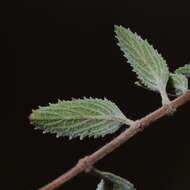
x=62, y=49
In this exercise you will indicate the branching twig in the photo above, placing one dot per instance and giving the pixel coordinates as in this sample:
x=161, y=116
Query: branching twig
x=88, y=161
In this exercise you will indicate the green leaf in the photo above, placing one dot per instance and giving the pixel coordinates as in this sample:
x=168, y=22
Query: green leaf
x=178, y=84
x=79, y=117
x=147, y=63
x=185, y=70
x=138, y=83
x=114, y=182
x=103, y=185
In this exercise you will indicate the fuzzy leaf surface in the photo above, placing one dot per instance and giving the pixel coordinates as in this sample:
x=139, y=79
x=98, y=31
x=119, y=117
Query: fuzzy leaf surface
x=147, y=63
x=185, y=70
x=178, y=84
x=114, y=182
x=79, y=118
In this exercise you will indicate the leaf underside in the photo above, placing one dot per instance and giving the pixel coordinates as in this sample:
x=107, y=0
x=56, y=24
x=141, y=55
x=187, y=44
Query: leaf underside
x=177, y=84
x=115, y=183
x=79, y=118
x=147, y=63
x=185, y=70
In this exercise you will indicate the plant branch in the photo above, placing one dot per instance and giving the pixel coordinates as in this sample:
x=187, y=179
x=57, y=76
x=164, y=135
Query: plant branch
x=88, y=161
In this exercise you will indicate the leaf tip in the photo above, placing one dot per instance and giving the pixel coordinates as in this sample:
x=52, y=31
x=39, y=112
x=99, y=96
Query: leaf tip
x=116, y=26
x=31, y=116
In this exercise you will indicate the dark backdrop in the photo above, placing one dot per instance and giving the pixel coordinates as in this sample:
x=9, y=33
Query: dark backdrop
x=62, y=49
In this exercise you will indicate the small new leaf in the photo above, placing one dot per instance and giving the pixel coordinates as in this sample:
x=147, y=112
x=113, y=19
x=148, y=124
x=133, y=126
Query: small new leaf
x=114, y=182
x=79, y=118
x=185, y=70
x=149, y=65
x=178, y=84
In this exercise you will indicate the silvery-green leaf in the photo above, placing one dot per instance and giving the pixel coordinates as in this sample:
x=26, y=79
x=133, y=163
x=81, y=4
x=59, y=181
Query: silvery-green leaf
x=178, y=84
x=185, y=70
x=114, y=182
x=138, y=83
x=104, y=186
x=79, y=118
x=149, y=65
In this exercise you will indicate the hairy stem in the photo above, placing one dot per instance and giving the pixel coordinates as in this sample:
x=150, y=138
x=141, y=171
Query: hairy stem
x=87, y=162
